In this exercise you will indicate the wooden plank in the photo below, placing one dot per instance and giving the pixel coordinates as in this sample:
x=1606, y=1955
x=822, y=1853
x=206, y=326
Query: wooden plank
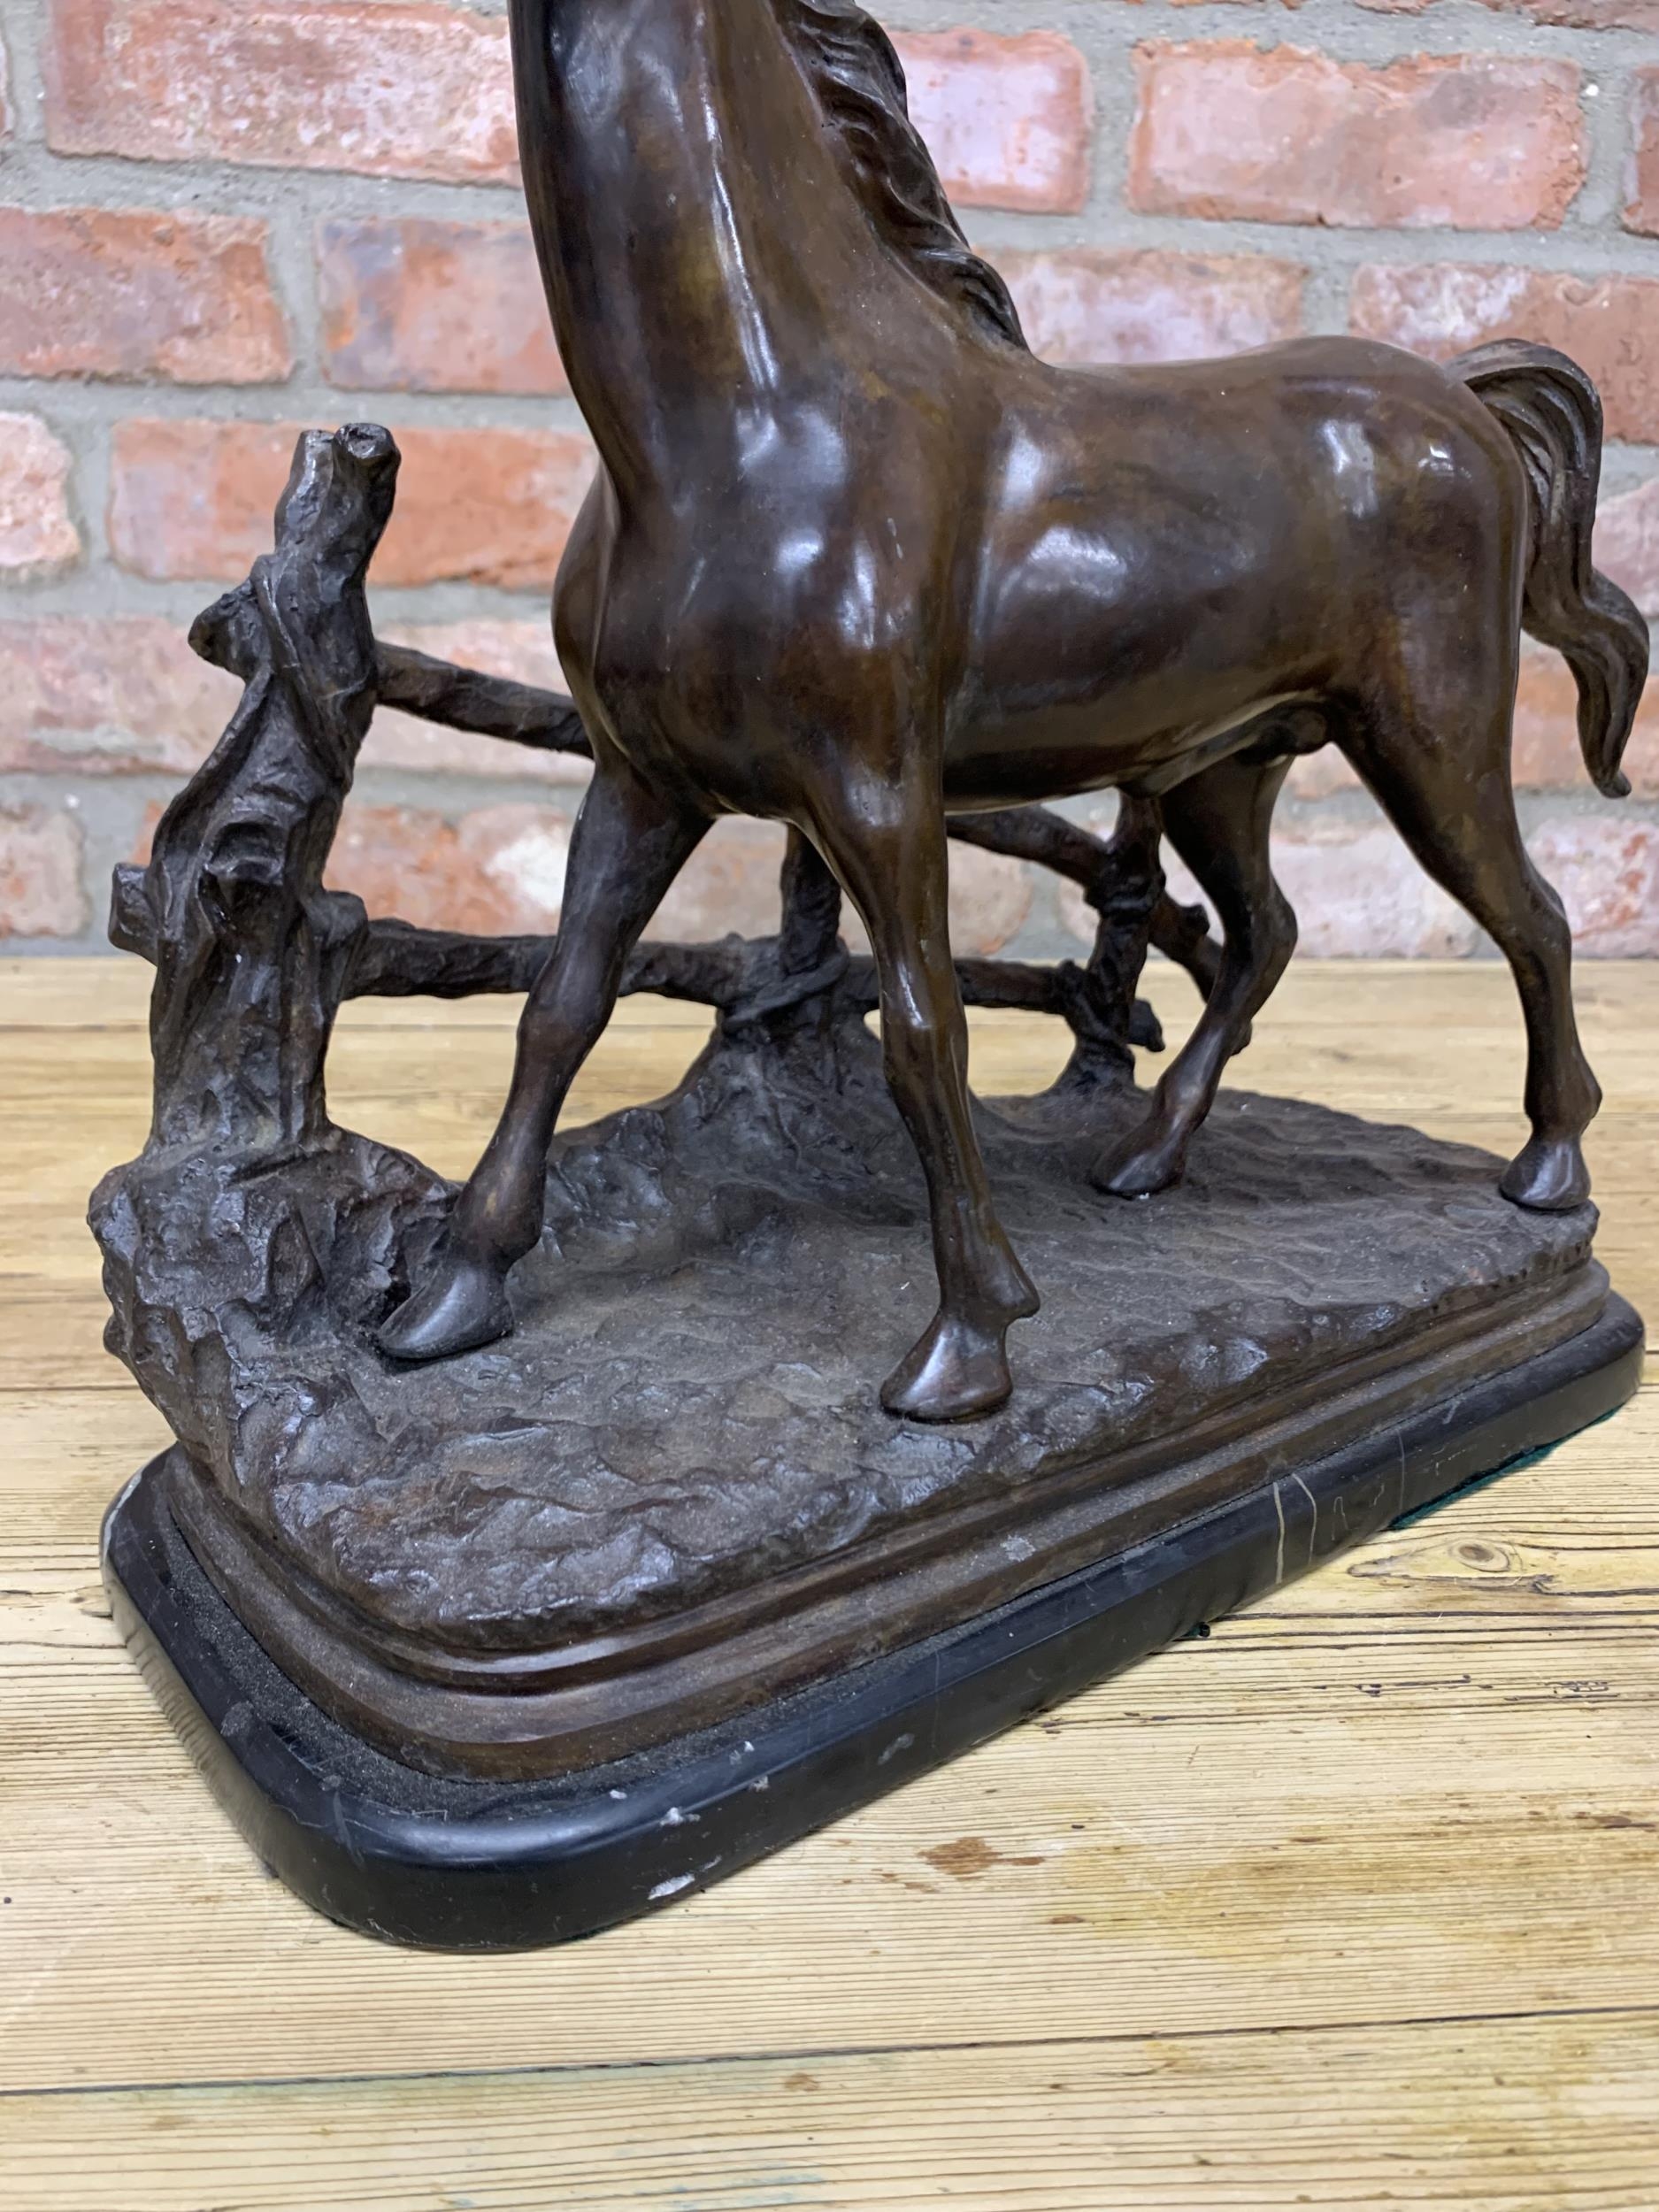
x=1505, y=2116
x=1414, y=1786
x=1420, y=1786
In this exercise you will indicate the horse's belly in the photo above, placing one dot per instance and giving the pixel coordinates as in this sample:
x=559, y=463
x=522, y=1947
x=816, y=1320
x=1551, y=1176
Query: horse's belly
x=1144, y=733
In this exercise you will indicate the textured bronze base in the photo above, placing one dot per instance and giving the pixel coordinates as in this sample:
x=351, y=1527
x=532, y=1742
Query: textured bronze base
x=671, y=1495
x=472, y=1865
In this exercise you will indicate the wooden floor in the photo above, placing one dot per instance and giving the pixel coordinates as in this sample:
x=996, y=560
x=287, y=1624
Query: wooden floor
x=1355, y=1903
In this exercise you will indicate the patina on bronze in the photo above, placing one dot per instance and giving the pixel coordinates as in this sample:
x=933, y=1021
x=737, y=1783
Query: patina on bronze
x=510, y=1531
x=855, y=559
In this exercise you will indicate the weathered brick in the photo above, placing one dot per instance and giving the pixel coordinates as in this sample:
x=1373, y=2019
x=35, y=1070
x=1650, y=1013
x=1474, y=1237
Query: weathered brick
x=7, y=120
x=1358, y=891
x=41, y=891
x=730, y=883
x=117, y=695
x=502, y=868
x=1359, y=894
x=1641, y=209
x=1007, y=120
x=123, y=695
x=523, y=650
x=414, y=864
x=113, y=293
x=1605, y=864
x=37, y=531
x=1572, y=15
x=389, y=87
x=1609, y=324
x=1479, y=141
x=1627, y=543
x=418, y=306
x=518, y=854
x=990, y=900
x=1547, y=755
x=195, y=499
x=1082, y=304
x=991, y=896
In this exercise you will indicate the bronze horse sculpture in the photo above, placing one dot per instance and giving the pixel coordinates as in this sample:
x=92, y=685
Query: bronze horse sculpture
x=854, y=557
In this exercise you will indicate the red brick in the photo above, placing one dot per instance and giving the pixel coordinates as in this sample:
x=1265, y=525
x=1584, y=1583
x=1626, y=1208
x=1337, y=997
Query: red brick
x=41, y=891
x=1225, y=129
x=730, y=883
x=523, y=650
x=388, y=87
x=1358, y=894
x=1627, y=543
x=1547, y=755
x=1007, y=120
x=195, y=499
x=124, y=694
x=1358, y=891
x=517, y=856
x=1084, y=305
x=990, y=900
x=991, y=896
x=1641, y=209
x=1609, y=324
x=101, y=292
x=1605, y=864
x=419, y=306
x=37, y=531
x=1572, y=15
x=411, y=863
x=107, y=695
x=503, y=868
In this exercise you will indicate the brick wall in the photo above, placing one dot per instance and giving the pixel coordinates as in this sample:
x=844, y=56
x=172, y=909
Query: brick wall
x=220, y=218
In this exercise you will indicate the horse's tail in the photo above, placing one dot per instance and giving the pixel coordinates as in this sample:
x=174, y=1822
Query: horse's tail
x=1553, y=414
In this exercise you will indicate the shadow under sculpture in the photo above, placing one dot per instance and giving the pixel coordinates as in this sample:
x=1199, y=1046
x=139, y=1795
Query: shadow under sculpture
x=509, y=1531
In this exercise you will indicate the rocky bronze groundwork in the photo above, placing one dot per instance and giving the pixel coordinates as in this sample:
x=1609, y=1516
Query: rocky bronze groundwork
x=535, y=1552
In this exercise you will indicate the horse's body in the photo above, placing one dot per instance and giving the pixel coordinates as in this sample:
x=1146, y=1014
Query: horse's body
x=855, y=558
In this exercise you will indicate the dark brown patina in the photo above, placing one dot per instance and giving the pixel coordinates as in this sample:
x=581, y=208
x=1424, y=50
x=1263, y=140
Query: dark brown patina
x=855, y=559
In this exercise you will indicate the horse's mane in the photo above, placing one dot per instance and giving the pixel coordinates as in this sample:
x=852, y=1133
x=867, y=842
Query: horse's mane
x=849, y=61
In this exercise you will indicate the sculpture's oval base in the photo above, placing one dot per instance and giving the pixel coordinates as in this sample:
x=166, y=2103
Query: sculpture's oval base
x=484, y=1866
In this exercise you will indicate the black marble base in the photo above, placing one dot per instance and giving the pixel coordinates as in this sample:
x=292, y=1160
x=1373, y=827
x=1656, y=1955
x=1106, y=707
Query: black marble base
x=474, y=1866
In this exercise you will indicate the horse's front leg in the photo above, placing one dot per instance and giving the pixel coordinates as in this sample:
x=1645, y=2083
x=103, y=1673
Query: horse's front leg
x=629, y=844
x=889, y=849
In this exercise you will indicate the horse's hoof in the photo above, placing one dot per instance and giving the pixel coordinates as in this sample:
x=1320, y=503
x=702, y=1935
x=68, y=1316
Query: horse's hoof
x=954, y=1372
x=462, y=1304
x=1146, y=1161
x=1548, y=1176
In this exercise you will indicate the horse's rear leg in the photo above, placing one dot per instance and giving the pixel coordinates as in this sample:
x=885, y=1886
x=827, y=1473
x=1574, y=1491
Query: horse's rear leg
x=890, y=856
x=1444, y=781
x=1219, y=822
x=628, y=846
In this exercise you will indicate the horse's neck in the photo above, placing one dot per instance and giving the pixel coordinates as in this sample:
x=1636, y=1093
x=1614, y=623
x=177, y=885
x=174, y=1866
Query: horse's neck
x=698, y=239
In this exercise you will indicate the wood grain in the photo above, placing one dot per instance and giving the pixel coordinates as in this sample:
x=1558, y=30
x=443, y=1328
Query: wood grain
x=1451, y=2116
x=1349, y=1905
